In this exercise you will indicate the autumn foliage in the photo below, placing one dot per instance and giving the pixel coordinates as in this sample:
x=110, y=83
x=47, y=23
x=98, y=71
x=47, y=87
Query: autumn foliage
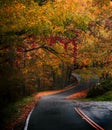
x=40, y=43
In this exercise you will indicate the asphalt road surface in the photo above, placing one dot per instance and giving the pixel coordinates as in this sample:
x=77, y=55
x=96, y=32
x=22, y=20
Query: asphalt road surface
x=53, y=112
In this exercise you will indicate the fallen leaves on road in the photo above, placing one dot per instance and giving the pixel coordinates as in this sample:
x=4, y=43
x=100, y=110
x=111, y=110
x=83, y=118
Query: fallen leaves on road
x=80, y=94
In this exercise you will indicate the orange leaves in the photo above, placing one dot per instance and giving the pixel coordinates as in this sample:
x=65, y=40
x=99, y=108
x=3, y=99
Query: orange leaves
x=110, y=59
x=10, y=17
x=86, y=61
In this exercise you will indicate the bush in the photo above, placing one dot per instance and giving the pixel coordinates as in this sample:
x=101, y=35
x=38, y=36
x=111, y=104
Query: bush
x=103, y=87
x=107, y=84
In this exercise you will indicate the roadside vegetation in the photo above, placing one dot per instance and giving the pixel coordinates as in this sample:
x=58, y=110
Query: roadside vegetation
x=13, y=112
x=102, y=91
x=107, y=96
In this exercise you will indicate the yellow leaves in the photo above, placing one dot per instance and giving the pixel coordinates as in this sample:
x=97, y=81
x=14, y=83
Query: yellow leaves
x=59, y=48
x=58, y=29
x=48, y=18
x=19, y=6
x=110, y=3
x=10, y=17
x=25, y=71
x=87, y=61
x=12, y=8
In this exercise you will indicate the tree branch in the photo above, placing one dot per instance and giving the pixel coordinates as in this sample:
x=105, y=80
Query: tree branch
x=32, y=49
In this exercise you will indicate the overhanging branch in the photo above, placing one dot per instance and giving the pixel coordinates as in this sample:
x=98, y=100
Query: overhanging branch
x=49, y=49
x=32, y=49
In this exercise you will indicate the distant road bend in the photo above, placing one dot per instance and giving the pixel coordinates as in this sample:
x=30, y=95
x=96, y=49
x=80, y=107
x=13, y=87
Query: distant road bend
x=53, y=112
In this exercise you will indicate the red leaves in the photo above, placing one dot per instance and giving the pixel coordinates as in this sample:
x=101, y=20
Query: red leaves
x=52, y=41
x=17, y=63
x=20, y=49
x=65, y=41
x=33, y=45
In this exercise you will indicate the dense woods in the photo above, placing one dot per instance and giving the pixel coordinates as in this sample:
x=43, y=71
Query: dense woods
x=43, y=42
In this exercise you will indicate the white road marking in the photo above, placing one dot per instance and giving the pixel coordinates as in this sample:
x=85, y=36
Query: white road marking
x=27, y=120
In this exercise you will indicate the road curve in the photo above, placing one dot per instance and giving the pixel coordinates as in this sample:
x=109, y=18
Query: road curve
x=53, y=112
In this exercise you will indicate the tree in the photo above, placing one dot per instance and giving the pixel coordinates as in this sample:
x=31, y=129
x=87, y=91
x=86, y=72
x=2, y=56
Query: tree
x=44, y=42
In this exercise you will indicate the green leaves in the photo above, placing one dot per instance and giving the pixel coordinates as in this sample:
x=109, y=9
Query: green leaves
x=83, y=33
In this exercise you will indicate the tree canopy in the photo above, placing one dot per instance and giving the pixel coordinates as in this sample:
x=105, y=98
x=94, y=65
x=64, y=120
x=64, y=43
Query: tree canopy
x=42, y=42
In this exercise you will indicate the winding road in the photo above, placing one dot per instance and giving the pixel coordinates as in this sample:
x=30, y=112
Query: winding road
x=53, y=112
